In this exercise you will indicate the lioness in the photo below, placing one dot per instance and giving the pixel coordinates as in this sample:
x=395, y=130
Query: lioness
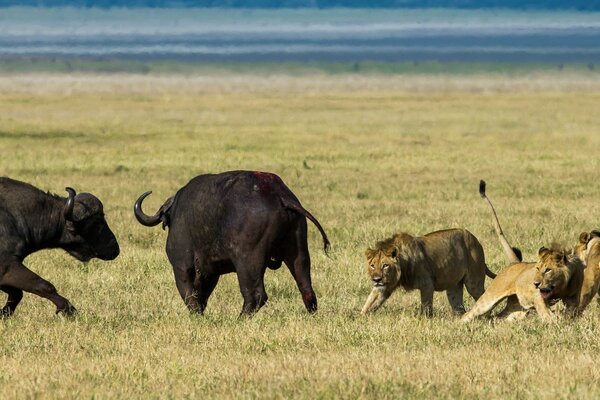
x=588, y=250
x=557, y=275
x=442, y=260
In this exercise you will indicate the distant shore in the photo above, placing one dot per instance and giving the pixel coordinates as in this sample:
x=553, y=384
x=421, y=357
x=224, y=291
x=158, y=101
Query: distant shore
x=61, y=65
x=354, y=37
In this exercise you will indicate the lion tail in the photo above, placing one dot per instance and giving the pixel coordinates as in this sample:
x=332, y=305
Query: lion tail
x=513, y=254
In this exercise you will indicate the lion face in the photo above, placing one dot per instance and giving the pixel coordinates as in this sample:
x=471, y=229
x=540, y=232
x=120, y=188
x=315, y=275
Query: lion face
x=382, y=268
x=552, y=273
x=583, y=245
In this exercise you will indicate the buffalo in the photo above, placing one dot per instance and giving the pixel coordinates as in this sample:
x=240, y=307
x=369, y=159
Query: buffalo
x=236, y=221
x=31, y=220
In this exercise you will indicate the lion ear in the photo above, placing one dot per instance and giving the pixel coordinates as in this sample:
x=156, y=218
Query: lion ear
x=542, y=251
x=394, y=252
x=584, y=237
x=369, y=252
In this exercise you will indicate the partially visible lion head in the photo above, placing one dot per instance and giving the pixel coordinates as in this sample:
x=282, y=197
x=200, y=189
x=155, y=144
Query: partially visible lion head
x=384, y=262
x=553, y=272
x=583, y=245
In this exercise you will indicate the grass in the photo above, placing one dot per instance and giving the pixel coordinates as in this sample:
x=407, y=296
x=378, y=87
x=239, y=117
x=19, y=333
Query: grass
x=368, y=155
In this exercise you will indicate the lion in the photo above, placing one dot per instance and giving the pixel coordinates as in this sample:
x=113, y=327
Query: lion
x=441, y=260
x=588, y=251
x=557, y=275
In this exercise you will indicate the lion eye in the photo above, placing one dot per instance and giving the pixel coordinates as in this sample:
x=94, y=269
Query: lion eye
x=372, y=266
x=386, y=266
x=547, y=270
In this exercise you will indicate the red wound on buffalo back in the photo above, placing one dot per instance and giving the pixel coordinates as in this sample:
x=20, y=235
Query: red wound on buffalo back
x=266, y=180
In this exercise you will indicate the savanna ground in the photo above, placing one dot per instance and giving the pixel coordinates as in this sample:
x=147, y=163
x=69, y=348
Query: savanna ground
x=369, y=155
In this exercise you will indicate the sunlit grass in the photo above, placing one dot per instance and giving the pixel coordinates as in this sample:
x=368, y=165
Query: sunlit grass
x=368, y=156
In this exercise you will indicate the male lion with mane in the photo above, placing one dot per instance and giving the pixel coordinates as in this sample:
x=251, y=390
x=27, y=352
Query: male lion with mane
x=442, y=260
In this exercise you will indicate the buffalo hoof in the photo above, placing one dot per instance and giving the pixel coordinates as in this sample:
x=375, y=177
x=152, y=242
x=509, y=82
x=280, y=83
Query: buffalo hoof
x=68, y=311
x=312, y=309
x=6, y=312
x=310, y=301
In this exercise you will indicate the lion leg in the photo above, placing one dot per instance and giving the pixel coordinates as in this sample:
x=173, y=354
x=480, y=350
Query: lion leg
x=512, y=309
x=572, y=309
x=455, y=298
x=542, y=309
x=427, y=299
x=484, y=305
x=516, y=315
x=376, y=298
x=475, y=284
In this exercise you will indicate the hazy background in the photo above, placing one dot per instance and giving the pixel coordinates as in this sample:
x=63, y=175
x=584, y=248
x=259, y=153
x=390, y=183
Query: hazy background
x=68, y=34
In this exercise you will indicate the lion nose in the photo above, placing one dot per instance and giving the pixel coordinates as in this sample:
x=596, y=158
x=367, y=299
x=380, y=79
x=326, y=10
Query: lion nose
x=377, y=279
x=537, y=284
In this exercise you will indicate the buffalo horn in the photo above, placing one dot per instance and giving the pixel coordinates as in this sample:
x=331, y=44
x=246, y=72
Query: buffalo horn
x=68, y=211
x=142, y=218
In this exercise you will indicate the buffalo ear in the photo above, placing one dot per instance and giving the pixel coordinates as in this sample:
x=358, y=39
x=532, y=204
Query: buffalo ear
x=70, y=226
x=584, y=237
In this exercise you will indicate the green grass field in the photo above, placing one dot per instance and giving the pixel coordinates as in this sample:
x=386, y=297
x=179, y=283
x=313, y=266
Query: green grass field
x=368, y=155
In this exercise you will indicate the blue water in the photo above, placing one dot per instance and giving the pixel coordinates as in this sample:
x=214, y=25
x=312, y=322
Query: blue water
x=302, y=35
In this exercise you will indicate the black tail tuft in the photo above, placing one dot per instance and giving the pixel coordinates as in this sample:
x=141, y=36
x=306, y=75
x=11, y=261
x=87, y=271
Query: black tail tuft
x=518, y=253
x=482, y=188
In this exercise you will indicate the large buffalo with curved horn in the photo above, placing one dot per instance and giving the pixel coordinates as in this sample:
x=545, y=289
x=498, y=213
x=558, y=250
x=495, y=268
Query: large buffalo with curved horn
x=237, y=221
x=31, y=220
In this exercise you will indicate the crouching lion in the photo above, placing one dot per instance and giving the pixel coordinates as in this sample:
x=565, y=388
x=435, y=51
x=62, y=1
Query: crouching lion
x=557, y=269
x=557, y=275
x=441, y=260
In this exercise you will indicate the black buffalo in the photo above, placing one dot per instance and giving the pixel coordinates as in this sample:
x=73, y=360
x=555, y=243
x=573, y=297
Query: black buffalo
x=31, y=220
x=238, y=221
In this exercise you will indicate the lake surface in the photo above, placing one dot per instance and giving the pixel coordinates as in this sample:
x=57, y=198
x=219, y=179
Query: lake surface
x=302, y=35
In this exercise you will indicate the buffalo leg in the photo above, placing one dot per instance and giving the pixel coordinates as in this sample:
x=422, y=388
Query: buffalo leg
x=184, y=280
x=14, y=298
x=182, y=260
x=204, y=287
x=20, y=278
x=252, y=286
x=297, y=260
